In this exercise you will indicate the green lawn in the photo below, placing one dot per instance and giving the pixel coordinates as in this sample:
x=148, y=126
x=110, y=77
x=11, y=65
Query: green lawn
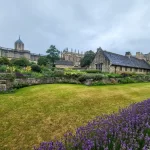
x=41, y=113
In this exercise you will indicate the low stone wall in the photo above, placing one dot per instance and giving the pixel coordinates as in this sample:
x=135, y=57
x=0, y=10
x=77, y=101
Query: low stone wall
x=7, y=84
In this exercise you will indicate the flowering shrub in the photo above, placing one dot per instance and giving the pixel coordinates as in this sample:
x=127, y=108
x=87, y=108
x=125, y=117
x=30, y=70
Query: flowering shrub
x=127, y=130
x=73, y=73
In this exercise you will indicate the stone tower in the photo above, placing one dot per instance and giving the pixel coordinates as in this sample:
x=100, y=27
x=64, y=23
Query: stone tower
x=19, y=45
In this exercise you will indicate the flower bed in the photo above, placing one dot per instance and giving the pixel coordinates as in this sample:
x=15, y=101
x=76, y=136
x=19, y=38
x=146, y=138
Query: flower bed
x=127, y=130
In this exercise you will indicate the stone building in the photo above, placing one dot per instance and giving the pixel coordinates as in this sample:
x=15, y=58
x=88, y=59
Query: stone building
x=140, y=55
x=18, y=52
x=71, y=56
x=115, y=63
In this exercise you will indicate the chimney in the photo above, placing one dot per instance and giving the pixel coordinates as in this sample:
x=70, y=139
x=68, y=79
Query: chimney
x=128, y=54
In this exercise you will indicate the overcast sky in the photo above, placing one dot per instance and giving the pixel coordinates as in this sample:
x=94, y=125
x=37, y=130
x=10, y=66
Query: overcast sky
x=114, y=25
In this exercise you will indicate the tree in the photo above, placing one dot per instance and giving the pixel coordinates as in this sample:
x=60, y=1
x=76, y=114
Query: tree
x=22, y=62
x=87, y=59
x=4, y=61
x=53, y=54
x=43, y=60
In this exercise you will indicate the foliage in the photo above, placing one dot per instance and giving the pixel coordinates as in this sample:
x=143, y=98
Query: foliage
x=87, y=59
x=73, y=73
x=7, y=91
x=21, y=62
x=20, y=85
x=113, y=75
x=53, y=54
x=7, y=76
x=4, y=61
x=36, y=68
x=127, y=80
x=58, y=73
x=42, y=61
x=128, y=129
x=92, y=71
x=19, y=75
x=3, y=68
x=95, y=77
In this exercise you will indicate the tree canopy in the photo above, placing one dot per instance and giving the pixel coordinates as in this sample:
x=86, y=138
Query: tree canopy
x=53, y=54
x=43, y=60
x=87, y=59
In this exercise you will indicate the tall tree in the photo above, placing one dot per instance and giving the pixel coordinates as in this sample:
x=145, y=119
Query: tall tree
x=53, y=54
x=87, y=59
x=43, y=60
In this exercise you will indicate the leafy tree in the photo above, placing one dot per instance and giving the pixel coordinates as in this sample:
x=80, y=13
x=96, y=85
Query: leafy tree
x=21, y=62
x=43, y=60
x=4, y=61
x=53, y=54
x=87, y=59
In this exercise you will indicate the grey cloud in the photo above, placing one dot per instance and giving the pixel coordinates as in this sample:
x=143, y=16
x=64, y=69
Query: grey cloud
x=82, y=24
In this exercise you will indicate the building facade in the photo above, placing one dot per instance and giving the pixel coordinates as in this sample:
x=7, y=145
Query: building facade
x=71, y=56
x=140, y=55
x=18, y=52
x=115, y=63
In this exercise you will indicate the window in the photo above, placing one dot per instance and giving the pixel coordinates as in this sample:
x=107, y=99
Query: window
x=126, y=68
x=140, y=70
x=130, y=69
x=99, y=66
x=136, y=69
x=120, y=68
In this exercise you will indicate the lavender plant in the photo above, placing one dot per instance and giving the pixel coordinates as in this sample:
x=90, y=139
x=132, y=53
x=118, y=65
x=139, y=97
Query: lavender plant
x=127, y=130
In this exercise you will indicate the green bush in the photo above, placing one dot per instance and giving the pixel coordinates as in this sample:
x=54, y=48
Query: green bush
x=21, y=62
x=4, y=61
x=36, y=68
x=95, y=77
x=20, y=85
x=7, y=76
x=58, y=73
x=113, y=75
x=3, y=68
x=92, y=71
x=73, y=73
x=127, y=80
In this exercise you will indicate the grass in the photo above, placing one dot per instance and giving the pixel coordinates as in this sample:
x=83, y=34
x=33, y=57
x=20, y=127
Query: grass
x=41, y=113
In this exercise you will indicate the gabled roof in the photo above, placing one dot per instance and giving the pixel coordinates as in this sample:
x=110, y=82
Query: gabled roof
x=121, y=60
x=64, y=62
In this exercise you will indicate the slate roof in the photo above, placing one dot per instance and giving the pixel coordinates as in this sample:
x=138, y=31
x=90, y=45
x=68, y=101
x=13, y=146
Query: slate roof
x=121, y=60
x=64, y=62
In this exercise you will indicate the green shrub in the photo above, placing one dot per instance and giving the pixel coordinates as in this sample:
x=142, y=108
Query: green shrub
x=73, y=73
x=7, y=76
x=3, y=68
x=20, y=85
x=22, y=62
x=92, y=71
x=95, y=77
x=113, y=75
x=127, y=80
x=58, y=73
x=36, y=75
x=36, y=68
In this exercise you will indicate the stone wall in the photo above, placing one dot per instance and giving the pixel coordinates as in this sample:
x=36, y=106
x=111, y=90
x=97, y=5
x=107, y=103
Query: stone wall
x=7, y=84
